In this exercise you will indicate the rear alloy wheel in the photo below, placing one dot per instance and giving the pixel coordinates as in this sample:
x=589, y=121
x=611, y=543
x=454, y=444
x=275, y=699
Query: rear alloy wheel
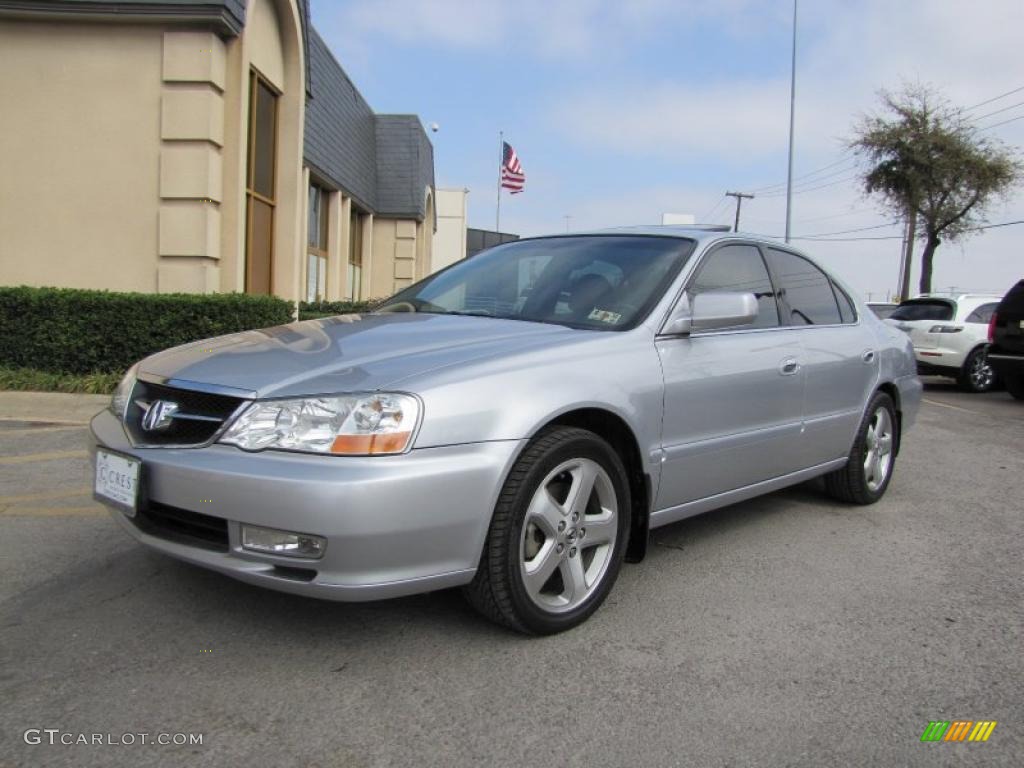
x=977, y=374
x=867, y=473
x=558, y=534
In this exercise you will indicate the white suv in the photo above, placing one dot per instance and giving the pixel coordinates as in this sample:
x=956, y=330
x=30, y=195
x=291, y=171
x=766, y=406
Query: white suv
x=950, y=336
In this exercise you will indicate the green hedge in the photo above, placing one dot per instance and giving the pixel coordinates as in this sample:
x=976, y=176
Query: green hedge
x=309, y=310
x=71, y=331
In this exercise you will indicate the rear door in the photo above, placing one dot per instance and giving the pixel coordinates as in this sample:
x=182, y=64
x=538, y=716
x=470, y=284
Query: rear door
x=840, y=355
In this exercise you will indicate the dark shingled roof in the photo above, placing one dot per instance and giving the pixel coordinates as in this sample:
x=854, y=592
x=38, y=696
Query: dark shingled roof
x=227, y=16
x=385, y=162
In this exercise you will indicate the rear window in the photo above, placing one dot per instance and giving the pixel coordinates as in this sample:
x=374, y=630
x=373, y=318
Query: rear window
x=924, y=309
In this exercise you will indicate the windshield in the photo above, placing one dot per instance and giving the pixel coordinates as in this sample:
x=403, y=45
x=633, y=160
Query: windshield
x=605, y=282
x=923, y=309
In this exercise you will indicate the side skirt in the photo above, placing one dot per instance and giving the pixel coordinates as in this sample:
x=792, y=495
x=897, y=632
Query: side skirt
x=699, y=506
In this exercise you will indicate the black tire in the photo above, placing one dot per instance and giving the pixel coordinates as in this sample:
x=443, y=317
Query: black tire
x=1015, y=385
x=498, y=591
x=976, y=374
x=851, y=483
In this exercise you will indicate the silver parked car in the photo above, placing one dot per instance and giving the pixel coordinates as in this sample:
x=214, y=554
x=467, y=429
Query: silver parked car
x=513, y=425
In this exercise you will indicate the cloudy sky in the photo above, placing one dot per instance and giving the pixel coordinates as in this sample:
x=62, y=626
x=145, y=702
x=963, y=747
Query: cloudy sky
x=621, y=111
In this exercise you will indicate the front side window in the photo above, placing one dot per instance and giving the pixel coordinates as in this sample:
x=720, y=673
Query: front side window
x=807, y=293
x=738, y=268
x=600, y=282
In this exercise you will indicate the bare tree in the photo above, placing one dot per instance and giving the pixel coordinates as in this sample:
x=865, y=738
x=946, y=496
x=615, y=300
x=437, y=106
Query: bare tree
x=926, y=160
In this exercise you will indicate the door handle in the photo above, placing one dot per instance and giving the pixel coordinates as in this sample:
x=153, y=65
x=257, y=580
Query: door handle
x=789, y=366
x=868, y=355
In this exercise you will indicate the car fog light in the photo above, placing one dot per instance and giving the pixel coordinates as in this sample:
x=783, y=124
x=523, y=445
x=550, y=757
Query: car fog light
x=286, y=543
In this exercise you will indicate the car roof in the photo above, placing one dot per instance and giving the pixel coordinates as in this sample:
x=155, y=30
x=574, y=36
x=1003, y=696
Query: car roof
x=700, y=233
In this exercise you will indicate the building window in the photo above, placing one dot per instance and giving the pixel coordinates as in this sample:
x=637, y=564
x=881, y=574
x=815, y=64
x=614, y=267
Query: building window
x=259, y=186
x=355, y=257
x=316, y=245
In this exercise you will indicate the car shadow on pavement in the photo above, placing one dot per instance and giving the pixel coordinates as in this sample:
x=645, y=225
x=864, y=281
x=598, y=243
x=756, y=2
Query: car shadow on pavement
x=168, y=598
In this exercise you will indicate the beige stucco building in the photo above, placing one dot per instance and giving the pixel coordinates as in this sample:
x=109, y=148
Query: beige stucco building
x=214, y=145
x=450, y=235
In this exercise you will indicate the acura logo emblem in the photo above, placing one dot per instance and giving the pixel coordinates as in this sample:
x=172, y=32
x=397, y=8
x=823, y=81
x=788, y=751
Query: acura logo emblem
x=159, y=415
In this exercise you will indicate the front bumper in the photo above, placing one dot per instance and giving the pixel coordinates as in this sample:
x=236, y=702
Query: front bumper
x=395, y=525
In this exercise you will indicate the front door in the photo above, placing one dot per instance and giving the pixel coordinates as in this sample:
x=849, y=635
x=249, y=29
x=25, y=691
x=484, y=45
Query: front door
x=733, y=397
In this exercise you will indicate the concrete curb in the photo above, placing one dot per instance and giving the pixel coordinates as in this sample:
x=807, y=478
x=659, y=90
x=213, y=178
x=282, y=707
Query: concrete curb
x=50, y=407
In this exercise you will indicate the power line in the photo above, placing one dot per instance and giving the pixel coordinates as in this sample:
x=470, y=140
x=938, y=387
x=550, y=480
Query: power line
x=714, y=208
x=843, y=159
x=858, y=229
x=854, y=212
x=980, y=228
x=1003, y=122
x=994, y=98
x=802, y=190
x=996, y=112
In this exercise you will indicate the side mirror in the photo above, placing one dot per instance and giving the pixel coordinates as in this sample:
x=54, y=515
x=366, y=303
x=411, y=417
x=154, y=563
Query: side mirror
x=712, y=310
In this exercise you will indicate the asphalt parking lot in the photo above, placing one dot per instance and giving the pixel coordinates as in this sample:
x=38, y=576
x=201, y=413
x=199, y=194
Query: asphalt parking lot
x=789, y=630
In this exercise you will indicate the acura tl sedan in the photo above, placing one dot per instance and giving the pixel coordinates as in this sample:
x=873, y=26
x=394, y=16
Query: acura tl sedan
x=513, y=425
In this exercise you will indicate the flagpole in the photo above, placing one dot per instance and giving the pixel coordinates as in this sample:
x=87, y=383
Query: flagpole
x=501, y=156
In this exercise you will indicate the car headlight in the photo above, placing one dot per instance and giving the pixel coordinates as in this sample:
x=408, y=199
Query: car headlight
x=352, y=425
x=123, y=393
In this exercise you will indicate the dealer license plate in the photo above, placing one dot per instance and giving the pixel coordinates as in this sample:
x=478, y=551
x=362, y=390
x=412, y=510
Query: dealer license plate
x=117, y=480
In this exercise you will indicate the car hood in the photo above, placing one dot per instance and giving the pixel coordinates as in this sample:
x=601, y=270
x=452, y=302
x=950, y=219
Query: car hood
x=347, y=353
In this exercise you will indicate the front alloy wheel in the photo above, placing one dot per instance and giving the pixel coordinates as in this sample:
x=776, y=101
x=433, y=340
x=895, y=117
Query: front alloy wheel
x=557, y=536
x=569, y=537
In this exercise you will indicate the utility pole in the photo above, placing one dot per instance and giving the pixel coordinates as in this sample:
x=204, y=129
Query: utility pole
x=567, y=218
x=792, y=113
x=739, y=202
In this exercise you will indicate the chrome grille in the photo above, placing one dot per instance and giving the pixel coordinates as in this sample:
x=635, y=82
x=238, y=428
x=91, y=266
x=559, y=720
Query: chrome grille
x=189, y=418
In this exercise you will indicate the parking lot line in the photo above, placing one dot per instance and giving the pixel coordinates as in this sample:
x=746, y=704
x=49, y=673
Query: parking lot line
x=954, y=407
x=29, y=458
x=95, y=510
x=45, y=495
x=41, y=430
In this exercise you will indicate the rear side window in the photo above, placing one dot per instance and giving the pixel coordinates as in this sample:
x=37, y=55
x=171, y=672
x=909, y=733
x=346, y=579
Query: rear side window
x=982, y=314
x=739, y=268
x=805, y=289
x=846, y=310
x=924, y=309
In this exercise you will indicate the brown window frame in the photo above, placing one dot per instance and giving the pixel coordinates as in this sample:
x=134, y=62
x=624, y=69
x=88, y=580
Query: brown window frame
x=255, y=79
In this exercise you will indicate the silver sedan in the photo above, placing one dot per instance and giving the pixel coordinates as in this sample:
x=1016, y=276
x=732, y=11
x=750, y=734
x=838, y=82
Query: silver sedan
x=513, y=425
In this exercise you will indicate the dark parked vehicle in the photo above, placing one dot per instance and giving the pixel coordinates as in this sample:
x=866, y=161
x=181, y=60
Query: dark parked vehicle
x=1006, y=332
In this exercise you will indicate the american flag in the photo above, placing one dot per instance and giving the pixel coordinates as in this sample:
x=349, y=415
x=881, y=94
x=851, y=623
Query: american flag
x=513, y=177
